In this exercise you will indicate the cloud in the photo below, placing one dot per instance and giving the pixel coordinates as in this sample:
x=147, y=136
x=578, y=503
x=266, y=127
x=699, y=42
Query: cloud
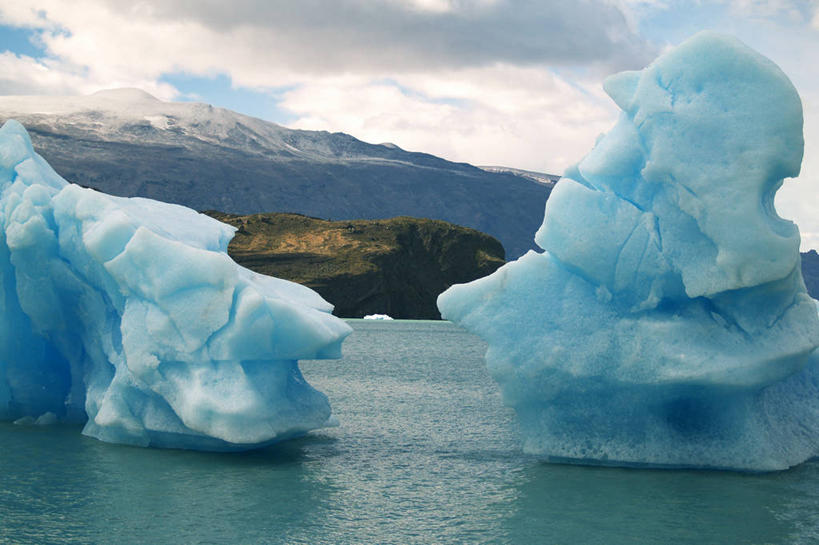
x=471, y=80
x=251, y=38
x=390, y=35
x=24, y=75
x=797, y=11
x=502, y=114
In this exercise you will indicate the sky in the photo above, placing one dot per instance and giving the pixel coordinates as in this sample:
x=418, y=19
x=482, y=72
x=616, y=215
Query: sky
x=491, y=82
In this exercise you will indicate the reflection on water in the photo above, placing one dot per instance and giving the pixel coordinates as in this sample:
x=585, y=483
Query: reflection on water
x=425, y=453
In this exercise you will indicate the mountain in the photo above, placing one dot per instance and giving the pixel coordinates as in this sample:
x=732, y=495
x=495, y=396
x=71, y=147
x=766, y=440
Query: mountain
x=396, y=266
x=126, y=142
x=540, y=177
x=810, y=272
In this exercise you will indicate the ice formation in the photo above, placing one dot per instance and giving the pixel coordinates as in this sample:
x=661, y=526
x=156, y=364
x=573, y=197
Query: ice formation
x=666, y=323
x=127, y=314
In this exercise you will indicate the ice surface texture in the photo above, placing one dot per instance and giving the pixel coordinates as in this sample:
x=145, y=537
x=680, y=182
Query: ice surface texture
x=129, y=314
x=667, y=322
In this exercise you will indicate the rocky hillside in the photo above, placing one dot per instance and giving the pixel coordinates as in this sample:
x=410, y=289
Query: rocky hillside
x=394, y=266
x=125, y=142
x=810, y=272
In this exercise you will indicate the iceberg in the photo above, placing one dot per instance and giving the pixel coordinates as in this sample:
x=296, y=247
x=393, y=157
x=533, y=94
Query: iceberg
x=666, y=323
x=128, y=315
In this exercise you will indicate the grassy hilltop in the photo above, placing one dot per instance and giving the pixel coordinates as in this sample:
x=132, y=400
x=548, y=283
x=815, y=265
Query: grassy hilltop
x=396, y=266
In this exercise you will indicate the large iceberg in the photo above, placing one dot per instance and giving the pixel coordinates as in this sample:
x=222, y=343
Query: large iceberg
x=127, y=314
x=666, y=323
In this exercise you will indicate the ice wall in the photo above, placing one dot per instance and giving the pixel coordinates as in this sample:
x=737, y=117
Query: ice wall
x=667, y=322
x=127, y=314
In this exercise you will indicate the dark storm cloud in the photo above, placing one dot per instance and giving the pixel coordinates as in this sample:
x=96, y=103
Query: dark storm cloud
x=351, y=35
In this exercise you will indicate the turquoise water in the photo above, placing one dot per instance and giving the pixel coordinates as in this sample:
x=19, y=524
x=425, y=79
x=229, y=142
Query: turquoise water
x=426, y=453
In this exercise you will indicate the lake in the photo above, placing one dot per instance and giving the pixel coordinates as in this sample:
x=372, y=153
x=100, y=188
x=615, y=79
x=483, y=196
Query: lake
x=425, y=453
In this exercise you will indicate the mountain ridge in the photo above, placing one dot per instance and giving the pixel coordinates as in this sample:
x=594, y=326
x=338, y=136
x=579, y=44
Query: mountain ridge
x=127, y=143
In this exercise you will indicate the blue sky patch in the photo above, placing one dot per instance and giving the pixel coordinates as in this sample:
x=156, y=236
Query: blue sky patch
x=219, y=91
x=21, y=41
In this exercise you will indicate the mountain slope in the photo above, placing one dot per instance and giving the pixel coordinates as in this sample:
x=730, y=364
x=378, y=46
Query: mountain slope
x=810, y=272
x=126, y=142
x=396, y=266
x=539, y=177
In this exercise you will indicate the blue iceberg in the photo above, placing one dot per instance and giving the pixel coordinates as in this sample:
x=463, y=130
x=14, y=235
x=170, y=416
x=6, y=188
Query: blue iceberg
x=128, y=315
x=667, y=323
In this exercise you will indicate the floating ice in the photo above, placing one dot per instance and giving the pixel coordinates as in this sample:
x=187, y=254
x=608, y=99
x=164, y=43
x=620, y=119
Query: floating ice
x=378, y=317
x=129, y=315
x=667, y=322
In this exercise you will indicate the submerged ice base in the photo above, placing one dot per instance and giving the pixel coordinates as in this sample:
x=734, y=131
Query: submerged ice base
x=667, y=322
x=127, y=314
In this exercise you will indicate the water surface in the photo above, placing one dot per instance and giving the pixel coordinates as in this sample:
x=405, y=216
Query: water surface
x=426, y=453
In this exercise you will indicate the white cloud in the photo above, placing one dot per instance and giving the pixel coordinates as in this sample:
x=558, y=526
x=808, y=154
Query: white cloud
x=515, y=113
x=506, y=115
x=444, y=6
x=23, y=75
x=796, y=11
x=259, y=42
x=798, y=199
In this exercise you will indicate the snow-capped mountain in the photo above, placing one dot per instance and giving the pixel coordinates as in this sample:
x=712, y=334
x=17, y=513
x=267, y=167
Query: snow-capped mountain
x=539, y=177
x=128, y=143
